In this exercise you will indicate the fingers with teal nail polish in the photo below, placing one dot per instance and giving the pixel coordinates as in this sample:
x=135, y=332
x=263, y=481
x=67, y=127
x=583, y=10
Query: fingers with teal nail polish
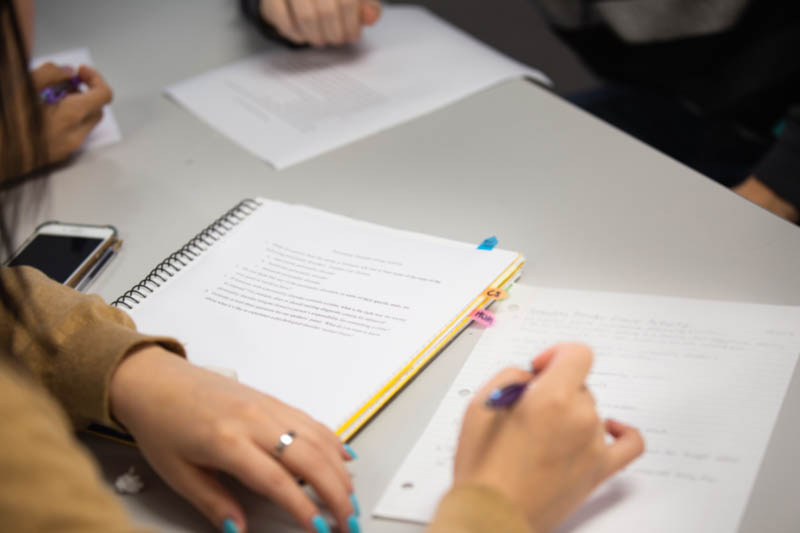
x=357, y=507
x=229, y=526
x=320, y=525
x=350, y=451
x=352, y=524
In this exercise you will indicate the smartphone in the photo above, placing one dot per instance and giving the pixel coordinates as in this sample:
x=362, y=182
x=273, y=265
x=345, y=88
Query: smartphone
x=71, y=254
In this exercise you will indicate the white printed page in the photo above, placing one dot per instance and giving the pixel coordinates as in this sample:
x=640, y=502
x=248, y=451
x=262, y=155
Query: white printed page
x=107, y=130
x=286, y=106
x=317, y=309
x=702, y=380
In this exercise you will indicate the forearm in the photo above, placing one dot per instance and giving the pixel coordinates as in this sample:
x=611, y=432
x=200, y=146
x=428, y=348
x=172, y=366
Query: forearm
x=70, y=342
x=477, y=509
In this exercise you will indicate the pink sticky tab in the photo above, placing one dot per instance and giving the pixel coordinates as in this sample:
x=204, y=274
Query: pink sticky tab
x=483, y=317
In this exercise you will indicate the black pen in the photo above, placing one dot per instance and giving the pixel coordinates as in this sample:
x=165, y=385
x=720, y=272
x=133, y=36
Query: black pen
x=102, y=262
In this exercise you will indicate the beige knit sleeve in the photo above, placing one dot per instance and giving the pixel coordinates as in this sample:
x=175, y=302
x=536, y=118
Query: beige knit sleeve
x=69, y=341
x=47, y=482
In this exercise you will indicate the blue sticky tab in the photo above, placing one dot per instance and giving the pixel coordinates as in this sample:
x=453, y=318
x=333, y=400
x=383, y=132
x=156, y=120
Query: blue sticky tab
x=488, y=244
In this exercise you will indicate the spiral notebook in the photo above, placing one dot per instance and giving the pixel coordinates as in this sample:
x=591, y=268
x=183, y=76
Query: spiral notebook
x=329, y=314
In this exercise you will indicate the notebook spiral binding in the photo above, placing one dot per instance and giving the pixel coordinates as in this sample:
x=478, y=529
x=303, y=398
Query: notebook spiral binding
x=187, y=253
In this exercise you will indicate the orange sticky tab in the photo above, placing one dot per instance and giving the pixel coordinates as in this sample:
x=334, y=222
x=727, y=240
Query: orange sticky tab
x=496, y=294
x=483, y=317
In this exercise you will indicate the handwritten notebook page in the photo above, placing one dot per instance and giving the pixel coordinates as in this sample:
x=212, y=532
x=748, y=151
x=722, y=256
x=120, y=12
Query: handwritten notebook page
x=317, y=309
x=703, y=380
x=286, y=106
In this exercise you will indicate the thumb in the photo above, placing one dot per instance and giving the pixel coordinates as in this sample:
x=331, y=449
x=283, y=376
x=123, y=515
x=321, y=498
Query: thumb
x=370, y=12
x=628, y=445
x=206, y=493
x=51, y=74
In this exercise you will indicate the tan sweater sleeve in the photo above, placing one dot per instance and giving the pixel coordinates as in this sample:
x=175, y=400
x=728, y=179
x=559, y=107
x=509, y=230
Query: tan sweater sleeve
x=47, y=482
x=478, y=509
x=70, y=342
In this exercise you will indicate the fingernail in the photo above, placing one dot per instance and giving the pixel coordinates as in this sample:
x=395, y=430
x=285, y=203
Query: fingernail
x=320, y=525
x=350, y=450
x=370, y=13
x=354, y=501
x=229, y=526
x=352, y=524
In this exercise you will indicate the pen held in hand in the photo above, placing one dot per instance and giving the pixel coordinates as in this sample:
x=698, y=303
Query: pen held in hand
x=506, y=397
x=56, y=93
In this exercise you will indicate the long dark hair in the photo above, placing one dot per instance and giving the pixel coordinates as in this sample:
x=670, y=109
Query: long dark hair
x=22, y=146
x=21, y=125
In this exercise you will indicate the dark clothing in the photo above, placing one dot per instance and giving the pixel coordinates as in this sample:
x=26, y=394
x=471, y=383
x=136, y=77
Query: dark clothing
x=719, y=152
x=721, y=78
x=734, y=88
x=780, y=169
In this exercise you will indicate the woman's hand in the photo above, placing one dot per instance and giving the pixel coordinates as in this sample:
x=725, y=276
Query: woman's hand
x=321, y=22
x=68, y=122
x=757, y=192
x=191, y=423
x=549, y=451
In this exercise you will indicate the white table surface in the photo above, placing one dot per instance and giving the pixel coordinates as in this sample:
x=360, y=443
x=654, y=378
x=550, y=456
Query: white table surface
x=590, y=207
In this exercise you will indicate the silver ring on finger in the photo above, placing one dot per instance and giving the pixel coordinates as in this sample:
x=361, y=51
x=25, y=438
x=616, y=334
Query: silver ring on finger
x=284, y=441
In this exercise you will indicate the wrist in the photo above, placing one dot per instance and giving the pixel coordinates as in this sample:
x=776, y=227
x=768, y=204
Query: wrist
x=754, y=190
x=482, y=507
x=135, y=372
x=515, y=493
x=760, y=194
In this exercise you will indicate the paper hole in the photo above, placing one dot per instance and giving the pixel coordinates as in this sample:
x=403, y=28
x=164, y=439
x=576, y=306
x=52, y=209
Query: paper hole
x=464, y=392
x=407, y=485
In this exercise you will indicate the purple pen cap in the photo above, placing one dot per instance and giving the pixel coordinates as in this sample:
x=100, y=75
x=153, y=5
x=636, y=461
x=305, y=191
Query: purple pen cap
x=56, y=93
x=76, y=82
x=506, y=397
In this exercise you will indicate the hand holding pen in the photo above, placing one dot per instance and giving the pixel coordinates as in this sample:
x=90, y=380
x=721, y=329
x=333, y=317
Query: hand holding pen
x=55, y=93
x=72, y=105
x=507, y=396
x=546, y=449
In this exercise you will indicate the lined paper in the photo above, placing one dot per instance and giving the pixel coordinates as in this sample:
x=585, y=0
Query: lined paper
x=702, y=380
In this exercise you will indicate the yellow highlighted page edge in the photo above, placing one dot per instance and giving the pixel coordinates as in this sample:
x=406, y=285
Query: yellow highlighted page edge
x=365, y=413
